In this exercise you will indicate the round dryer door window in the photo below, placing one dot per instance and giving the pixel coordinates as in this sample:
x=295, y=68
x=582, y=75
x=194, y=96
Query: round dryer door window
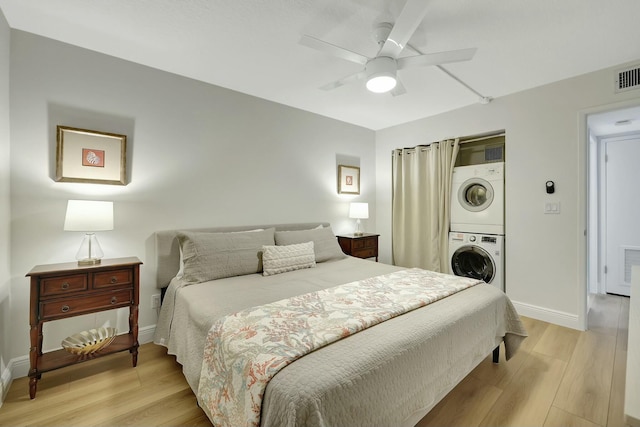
x=475, y=194
x=474, y=262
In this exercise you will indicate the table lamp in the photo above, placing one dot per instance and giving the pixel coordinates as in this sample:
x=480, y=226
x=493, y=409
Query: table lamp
x=89, y=216
x=358, y=211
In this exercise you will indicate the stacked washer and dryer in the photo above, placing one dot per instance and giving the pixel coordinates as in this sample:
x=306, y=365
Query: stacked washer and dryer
x=476, y=240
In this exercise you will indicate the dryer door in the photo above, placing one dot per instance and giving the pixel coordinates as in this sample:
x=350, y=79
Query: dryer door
x=473, y=261
x=475, y=194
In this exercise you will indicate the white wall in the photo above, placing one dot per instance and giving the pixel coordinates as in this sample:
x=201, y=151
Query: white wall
x=199, y=155
x=544, y=141
x=4, y=203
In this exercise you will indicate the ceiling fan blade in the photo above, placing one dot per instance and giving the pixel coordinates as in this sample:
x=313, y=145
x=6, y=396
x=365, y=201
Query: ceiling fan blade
x=404, y=27
x=334, y=50
x=344, y=81
x=399, y=89
x=436, y=58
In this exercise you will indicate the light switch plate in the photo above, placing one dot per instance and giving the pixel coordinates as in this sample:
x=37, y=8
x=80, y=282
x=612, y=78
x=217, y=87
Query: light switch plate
x=552, y=207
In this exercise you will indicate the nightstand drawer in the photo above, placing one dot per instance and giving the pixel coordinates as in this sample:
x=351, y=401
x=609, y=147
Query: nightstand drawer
x=73, y=306
x=112, y=279
x=364, y=253
x=357, y=244
x=370, y=242
x=63, y=285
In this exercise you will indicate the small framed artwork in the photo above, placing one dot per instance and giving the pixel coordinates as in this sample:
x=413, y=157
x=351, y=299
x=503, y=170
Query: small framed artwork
x=348, y=179
x=91, y=157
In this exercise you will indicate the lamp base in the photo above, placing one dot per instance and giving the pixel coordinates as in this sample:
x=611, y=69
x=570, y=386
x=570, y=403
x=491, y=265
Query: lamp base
x=90, y=251
x=358, y=231
x=84, y=262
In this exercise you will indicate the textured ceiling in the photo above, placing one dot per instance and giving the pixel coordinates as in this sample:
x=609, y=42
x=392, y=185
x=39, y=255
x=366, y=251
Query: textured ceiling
x=251, y=46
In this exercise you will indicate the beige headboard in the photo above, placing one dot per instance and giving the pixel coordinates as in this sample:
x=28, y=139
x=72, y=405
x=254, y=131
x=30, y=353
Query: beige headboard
x=168, y=248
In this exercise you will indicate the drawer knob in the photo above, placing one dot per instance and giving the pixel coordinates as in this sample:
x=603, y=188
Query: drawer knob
x=114, y=300
x=65, y=285
x=114, y=279
x=65, y=308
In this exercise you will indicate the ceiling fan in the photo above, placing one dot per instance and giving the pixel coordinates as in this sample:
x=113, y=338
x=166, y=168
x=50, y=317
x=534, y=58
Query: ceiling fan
x=381, y=72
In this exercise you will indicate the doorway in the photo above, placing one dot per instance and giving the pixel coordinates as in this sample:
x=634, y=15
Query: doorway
x=613, y=243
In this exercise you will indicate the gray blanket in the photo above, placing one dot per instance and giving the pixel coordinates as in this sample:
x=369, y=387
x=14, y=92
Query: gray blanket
x=390, y=374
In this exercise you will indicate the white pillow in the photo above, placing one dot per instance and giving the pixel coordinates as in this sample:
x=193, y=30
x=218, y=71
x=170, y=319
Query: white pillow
x=280, y=259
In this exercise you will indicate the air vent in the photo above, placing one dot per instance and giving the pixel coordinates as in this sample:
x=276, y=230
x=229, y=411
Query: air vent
x=493, y=154
x=628, y=79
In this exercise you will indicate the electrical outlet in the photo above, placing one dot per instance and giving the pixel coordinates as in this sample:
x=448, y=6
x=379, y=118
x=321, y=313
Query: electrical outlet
x=155, y=301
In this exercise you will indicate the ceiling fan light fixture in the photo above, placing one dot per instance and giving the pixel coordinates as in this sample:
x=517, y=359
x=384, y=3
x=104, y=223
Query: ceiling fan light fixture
x=381, y=83
x=381, y=74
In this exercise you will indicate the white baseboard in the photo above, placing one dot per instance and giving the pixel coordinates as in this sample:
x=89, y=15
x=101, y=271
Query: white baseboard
x=18, y=367
x=556, y=317
x=5, y=382
x=145, y=335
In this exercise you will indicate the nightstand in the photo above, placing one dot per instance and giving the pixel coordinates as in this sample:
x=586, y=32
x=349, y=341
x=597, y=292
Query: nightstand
x=65, y=290
x=365, y=246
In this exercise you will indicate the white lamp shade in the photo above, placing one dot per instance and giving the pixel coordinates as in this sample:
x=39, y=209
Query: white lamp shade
x=359, y=210
x=88, y=215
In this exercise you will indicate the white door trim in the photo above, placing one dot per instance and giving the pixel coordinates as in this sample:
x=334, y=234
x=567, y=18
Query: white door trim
x=583, y=199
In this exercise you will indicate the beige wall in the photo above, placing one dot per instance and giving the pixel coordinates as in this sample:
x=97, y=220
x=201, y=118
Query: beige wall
x=4, y=202
x=545, y=140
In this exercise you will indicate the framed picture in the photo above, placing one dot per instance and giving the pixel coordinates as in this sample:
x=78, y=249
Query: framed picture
x=348, y=179
x=91, y=157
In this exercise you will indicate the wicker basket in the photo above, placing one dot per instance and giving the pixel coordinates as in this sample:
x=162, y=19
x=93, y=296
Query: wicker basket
x=87, y=342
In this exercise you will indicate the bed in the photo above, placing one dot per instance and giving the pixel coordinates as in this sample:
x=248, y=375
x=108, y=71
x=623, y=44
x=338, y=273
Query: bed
x=392, y=373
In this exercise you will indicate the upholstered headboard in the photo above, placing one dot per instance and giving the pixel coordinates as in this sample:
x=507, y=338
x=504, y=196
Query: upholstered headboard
x=168, y=248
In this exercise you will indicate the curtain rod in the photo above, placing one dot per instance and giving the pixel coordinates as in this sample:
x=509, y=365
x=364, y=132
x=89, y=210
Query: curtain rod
x=481, y=138
x=460, y=141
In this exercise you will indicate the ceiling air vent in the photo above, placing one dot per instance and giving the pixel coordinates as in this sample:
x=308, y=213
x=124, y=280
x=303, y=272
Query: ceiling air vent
x=628, y=79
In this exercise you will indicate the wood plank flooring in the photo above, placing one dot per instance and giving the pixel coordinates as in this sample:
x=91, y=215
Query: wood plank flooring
x=560, y=377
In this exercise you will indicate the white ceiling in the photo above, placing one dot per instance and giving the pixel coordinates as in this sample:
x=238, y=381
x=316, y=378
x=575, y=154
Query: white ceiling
x=251, y=46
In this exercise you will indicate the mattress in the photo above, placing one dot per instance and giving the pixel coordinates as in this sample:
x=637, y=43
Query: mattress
x=390, y=374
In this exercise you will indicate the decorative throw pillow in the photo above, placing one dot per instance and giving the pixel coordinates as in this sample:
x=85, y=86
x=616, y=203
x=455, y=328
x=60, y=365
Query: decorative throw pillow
x=280, y=259
x=325, y=244
x=211, y=256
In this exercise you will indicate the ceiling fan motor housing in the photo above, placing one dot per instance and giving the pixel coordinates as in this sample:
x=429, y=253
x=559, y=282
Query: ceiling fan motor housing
x=381, y=74
x=380, y=66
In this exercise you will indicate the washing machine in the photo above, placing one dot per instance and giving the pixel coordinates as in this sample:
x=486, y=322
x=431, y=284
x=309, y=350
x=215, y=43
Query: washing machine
x=479, y=256
x=477, y=198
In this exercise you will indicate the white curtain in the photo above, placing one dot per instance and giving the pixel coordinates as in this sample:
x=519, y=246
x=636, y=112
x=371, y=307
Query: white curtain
x=421, y=204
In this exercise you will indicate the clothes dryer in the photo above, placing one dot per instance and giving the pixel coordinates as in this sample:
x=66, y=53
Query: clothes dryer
x=479, y=256
x=477, y=198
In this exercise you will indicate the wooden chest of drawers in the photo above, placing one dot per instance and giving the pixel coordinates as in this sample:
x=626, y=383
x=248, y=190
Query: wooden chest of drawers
x=65, y=290
x=365, y=246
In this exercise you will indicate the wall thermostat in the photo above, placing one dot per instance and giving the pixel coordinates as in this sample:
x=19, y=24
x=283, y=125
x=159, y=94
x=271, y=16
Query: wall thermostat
x=551, y=187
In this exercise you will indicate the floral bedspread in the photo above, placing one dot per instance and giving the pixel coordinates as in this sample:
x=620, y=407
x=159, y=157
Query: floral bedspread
x=245, y=350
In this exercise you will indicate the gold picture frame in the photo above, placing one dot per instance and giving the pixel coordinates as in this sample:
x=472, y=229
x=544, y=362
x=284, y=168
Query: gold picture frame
x=348, y=179
x=90, y=156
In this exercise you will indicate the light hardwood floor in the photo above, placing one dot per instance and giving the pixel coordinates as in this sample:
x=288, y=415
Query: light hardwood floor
x=560, y=377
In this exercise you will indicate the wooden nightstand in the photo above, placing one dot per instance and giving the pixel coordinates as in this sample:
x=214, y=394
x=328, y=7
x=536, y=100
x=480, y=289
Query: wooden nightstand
x=66, y=290
x=365, y=246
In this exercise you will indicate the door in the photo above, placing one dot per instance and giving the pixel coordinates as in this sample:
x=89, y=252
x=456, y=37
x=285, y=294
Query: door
x=475, y=194
x=473, y=261
x=622, y=212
